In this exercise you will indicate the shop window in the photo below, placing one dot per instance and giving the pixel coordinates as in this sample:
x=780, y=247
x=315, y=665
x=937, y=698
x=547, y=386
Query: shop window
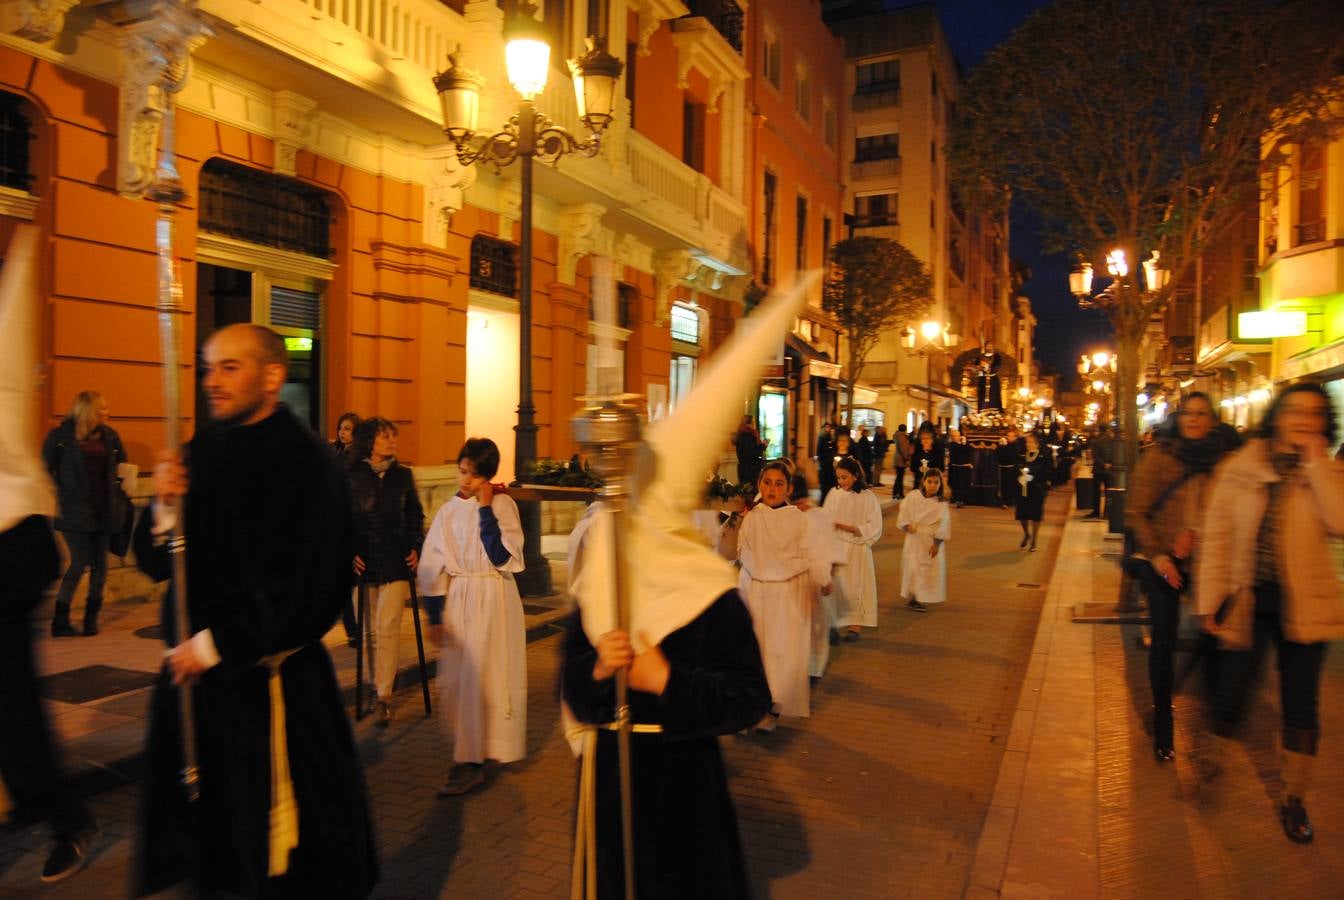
x=261, y=208
x=15, y=136
x=494, y=265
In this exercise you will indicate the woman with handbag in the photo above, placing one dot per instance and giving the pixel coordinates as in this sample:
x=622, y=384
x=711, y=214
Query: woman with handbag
x=82, y=454
x=1267, y=574
x=1167, y=498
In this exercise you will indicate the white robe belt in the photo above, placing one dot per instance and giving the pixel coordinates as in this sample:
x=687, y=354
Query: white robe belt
x=283, y=829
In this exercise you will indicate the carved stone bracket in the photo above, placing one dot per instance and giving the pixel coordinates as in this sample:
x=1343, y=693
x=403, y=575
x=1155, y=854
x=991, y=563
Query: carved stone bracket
x=155, y=54
x=650, y=14
x=448, y=180
x=670, y=267
x=581, y=233
x=34, y=20
x=295, y=121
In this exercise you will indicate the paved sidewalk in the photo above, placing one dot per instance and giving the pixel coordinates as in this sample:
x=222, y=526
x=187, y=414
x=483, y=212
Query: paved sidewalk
x=1082, y=810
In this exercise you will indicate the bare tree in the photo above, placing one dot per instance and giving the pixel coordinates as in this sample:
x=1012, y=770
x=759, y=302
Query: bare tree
x=875, y=285
x=1139, y=125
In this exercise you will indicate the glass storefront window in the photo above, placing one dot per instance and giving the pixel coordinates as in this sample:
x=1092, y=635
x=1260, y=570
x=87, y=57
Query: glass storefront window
x=771, y=420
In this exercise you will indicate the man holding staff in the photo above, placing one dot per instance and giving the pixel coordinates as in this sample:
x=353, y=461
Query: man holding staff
x=283, y=809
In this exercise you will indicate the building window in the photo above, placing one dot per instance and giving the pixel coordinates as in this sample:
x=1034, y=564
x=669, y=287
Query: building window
x=802, y=92
x=825, y=242
x=874, y=210
x=626, y=297
x=631, y=54
x=693, y=134
x=261, y=208
x=874, y=78
x=800, y=250
x=770, y=57
x=829, y=129
x=768, y=257
x=877, y=146
x=1310, y=226
x=494, y=265
x=15, y=136
x=680, y=379
x=684, y=324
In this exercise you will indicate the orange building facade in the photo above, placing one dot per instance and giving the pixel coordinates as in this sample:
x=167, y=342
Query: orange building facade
x=384, y=262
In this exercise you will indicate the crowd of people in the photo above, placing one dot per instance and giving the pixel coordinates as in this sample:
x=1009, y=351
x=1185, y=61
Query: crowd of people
x=285, y=807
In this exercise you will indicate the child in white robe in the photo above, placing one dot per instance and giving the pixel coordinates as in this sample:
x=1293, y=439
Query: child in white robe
x=856, y=517
x=927, y=524
x=470, y=554
x=785, y=559
x=823, y=603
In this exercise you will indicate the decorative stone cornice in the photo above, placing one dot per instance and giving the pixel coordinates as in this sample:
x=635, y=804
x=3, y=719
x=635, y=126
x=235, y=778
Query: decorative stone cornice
x=649, y=14
x=156, y=54
x=295, y=118
x=670, y=267
x=35, y=20
x=581, y=233
x=16, y=203
x=448, y=179
x=700, y=46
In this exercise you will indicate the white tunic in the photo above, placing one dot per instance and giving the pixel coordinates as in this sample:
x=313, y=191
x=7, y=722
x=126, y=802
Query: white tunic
x=483, y=663
x=856, y=601
x=784, y=562
x=924, y=577
x=823, y=605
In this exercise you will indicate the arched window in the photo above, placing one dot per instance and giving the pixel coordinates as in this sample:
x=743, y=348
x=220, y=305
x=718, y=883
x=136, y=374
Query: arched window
x=261, y=208
x=15, y=135
x=494, y=265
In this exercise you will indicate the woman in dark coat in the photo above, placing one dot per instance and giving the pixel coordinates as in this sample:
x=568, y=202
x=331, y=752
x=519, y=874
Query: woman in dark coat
x=1033, y=480
x=345, y=435
x=82, y=454
x=929, y=453
x=1008, y=456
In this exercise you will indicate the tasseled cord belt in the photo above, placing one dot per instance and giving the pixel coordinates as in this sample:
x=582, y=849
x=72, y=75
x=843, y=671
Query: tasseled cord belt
x=283, y=828
x=583, y=882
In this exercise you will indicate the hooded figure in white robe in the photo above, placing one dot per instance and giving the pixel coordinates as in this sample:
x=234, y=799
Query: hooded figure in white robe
x=924, y=520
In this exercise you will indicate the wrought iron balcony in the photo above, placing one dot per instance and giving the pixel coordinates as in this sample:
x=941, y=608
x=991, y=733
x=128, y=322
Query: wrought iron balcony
x=1309, y=232
x=725, y=15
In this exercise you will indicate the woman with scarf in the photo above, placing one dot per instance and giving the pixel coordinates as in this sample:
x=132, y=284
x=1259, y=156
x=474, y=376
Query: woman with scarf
x=1267, y=574
x=1167, y=500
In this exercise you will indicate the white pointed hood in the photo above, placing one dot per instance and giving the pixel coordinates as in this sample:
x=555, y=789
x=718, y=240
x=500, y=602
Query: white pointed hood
x=25, y=488
x=673, y=575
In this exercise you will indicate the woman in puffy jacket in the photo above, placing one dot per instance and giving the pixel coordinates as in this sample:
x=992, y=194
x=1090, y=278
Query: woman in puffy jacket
x=1267, y=576
x=82, y=454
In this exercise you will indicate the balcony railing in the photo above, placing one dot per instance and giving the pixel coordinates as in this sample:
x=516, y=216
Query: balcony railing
x=870, y=168
x=875, y=99
x=1309, y=232
x=878, y=221
x=726, y=17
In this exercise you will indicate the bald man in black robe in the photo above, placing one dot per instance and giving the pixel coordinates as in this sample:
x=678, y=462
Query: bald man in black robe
x=268, y=573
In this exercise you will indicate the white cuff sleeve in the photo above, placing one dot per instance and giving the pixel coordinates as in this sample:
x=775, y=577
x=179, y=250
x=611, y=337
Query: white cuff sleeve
x=203, y=646
x=165, y=517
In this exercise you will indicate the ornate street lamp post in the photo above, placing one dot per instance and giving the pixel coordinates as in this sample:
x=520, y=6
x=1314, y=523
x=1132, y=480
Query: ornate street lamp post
x=931, y=331
x=528, y=135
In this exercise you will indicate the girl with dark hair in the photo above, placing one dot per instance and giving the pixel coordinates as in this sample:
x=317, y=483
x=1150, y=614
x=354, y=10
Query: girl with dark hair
x=823, y=604
x=1033, y=481
x=472, y=551
x=345, y=434
x=785, y=560
x=856, y=517
x=927, y=524
x=1168, y=495
x=1267, y=575
x=929, y=453
x=389, y=526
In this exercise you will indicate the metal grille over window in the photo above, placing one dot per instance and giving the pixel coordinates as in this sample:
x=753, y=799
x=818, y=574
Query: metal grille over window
x=15, y=135
x=685, y=324
x=494, y=266
x=295, y=309
x=265, y=209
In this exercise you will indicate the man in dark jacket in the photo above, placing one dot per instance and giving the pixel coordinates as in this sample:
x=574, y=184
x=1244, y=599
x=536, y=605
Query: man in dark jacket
x=826, y=459
x=269, y=549
x=389, y=530
x=1103, y=459
x=750, y=451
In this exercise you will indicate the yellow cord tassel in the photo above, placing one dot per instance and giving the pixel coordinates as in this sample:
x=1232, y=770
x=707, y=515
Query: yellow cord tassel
x=284, y=819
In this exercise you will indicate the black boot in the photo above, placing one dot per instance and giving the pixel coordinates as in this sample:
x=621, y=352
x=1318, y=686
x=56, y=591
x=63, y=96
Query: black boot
x=1163, y=729
x=60, y=622
x=91, y=616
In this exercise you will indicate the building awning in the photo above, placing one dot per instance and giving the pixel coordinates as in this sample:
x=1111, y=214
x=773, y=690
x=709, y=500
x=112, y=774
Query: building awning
x=864, y=395
x=1316, y=361
x=816, y=362
x=920, y=392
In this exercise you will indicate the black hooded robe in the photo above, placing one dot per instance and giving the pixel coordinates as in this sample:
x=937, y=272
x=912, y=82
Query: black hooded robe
x=685, y=829
x=268, y=557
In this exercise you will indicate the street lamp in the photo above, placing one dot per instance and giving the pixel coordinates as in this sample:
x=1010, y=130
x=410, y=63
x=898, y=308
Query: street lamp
x=527, y=135
x=931, y=331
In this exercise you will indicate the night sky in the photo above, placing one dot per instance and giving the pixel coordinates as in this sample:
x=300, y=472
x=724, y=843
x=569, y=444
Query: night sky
x=1064, y=331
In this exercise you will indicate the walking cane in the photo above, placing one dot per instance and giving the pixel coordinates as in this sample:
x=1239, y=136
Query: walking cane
x=420, y=646
x=361, y=616
x=167, y=192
